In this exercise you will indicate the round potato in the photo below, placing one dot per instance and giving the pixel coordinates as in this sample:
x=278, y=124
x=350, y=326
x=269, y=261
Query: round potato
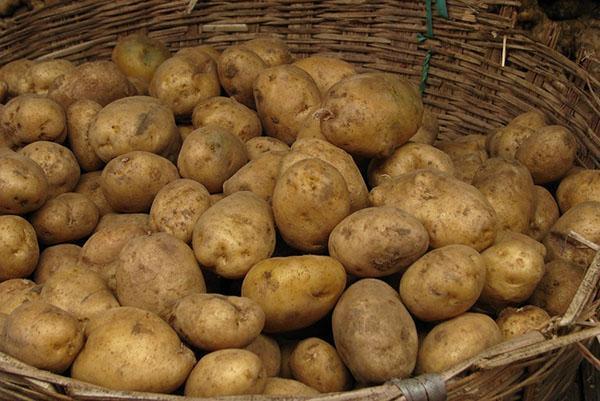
x=132, y=349
x=467, y=153
x=226, y=372
x=139, y=56
x=40, y=76
x=378, y=241
x=444, y=283
x=533, y=119
x=269, y=353
x=30, y=118
x=208, y=50
x=227, y=113
x=291, y=303
x=428, y=130
x=24, y=184
x=516, y=322
x=89, y=185
x=455, y=341
x=238, y=68
x=545, y=213
x=311, y=126
x=273, y=51
x=579, y=187
x=258, y=146
x=557, y=288
x=14, y=293
x=80, y=116
x=374, y=333
x=115, y=220
x=19, y=250
x=507, y=235
x=287, y=387
x=12, y=72
x=506, y=141
x=325, y=71
x=53, y=258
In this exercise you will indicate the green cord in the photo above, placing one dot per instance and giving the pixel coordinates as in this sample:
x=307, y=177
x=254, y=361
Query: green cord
x=442, y=10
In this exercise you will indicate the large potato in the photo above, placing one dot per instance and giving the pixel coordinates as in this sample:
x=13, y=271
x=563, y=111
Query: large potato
x=14, y=293
x=325, y=71
x=269, y=353
x=428, y=130
x=80, y=116
x=273, y=51
x=19, y=250
x=533, y=119
x=505, y=142
x=227, y=113
x=258, y=146
x=545, y=213
x=581, y=186
x=29, y=118
x=139, y=56
x=371, y=114
x=90, y=185
x=234, y=234
x=132, y=349
x=467, y=153
x=238, y=68
x=40, y=76
x=24, y=184
x=507, y=235
x=453, y=212
x=374, y=333
x=516, y=322
x=53, y=258
x=287, y=387
x=12, y=72
x=378, y=241
x=557, y=288
x=295, y=291
x=444, y=283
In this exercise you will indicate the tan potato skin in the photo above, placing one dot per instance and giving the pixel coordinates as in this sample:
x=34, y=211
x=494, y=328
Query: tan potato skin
x=378, y=241
x=40, y=76
x=19, y=250
x=139, y=56
x=114, y=220
x=545, y=213
x=12, y=72
x=287, y=387
x=325, y=71
x=238, y=68
x=452, y=211
x=25, y=186
x=273, y=51
x=507, y=235
x=14, y=292
x=290, y=303
x=374, y=349
x=505, y=142
x=80, y=116
x=516, y=322
x=89, y=185
x=444, y=283
x=53, y=258
x=579, y=187
x=311, y=126
x=428, y=130
x=269, y=353
x=455, y=341
x=467, y=153
x=210, y=51
x=227, y=113
x=257, y=147
x=533, y=119
x=557, y=288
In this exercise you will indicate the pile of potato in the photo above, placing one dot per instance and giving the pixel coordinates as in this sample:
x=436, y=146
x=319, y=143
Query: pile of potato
x=249, y=223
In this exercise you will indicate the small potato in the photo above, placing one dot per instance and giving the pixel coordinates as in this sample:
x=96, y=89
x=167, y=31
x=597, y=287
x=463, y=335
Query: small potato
x=444, y=283
x=238, y=68
x=545, y=213
x=374, y=333
x=116, y=220
x=43, y=336
x=89, y=185
x=213, y=321
x=325, y=71
x=53, y=258
x=309, y=200
x=80, y=116
x=131, y=181
x=516, y=322
x=12, y=72
x=59, y=164
x=135, y=350
x=557, y=288
x=154, y=271
x=294, y=291
x=317, y=364
x=139, y=56
x=269, y=353
x=24, y=184
x=429, y=129
x=29, y=118
x=285, y=95
x=258, y=146
x=40, y=76
x=210, y=51
x=230, y=114
x=507, y=235
x=506, y=141
x=68, y=217
x=548, y=154
x=182, y=81
x=211, y=155
x=378, y=241
x=533, y=119
x=408, y=158
x=19, y=250
x=287, y=387
x=234, y=234
x=226, y=372
x=177, y=207
x=455, y=341
x=14, y=293
x=273, y=51
x=579, y=187
x=467, y=153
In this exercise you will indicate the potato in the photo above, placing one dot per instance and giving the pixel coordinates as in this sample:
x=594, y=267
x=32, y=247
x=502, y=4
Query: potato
x=59, y=164
x=100, y=81
x=467, y=153
x=208, y=50
x=214, y=198
x=78, y=291
x=378, y=241
x=29, y=118
x=53, y=258
x=452, y=211
x=374, y=333
x=584, y=219
x=14, y=293
x=39, y=77
x=226, y=372
x=557, y=288
x=285, y=95
x=549, y=154
x=317, y=364
x=116, y=220
x=444, y=283
x=273, y=51
x=507, y=235
x=139, y=56
x=258, y=146
x=12, y=72
x=428, y=130
x=408, y=158
x=131, y=181
x=506, y=141
x=309, y=200
x=182, y=81
x=514, y=269
x=230, y=114
x=234, y=234
x=311, y=126
x=177, y=207
x=291, y=303
x=545, y=213
x=140, y=86
x=371, y=114
x=516, y=322
x=131, y=349
x=238, y=68
x=19, y=250
x=89, y=185
x=579, y=187
x=210, y=155
x=68, y=217
x=533, y=119
x=325, y=71
x=154, y=271
x=269, y=353
x=135, y=123
x=456, y=340
x=24, y=184
x=287, y=387
x=80, y=116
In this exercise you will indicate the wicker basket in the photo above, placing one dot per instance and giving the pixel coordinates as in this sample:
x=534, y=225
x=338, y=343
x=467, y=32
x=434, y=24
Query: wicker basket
x=479, y=72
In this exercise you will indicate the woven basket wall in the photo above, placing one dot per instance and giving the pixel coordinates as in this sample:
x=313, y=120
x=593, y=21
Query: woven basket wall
x=467, y=87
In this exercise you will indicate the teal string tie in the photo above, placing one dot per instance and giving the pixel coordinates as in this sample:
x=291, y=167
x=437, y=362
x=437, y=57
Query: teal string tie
x=442, y=10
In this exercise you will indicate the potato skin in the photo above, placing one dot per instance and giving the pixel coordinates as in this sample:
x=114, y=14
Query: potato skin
x=139, y=56
x=89, y=185
x=230, y=114
x=40, y=76
x=269, y=353
x=12, y=72
x=19, y=250
x=581, y=186
x=80, y=116
x=53, y=258
x=290, y=303
x=25, y=186
x=258, y=146
x=15, y=292
x=325, y=71
x=467, y=153
x=378, y=241
x=516, y=322
x=557, y=288
x=204, y=49
x=505, y=142
x=507, y=235
x=238, y=68
x=287, y=387
x=533, y=119
x=374, y=349
x=545, y=213
x=428, y=130
x=273, y=51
